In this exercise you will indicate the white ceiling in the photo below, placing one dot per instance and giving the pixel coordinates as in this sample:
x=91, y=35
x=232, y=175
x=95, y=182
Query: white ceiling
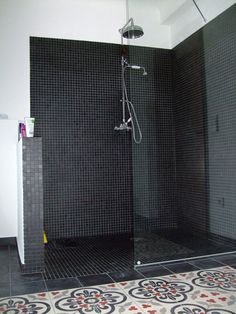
x=183, y=17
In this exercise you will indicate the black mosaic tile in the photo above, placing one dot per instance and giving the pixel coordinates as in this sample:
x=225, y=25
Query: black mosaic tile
x=190, y=134
x=153, y=164
x=87, y=165
x=203, y=69
x=94, y=256
x=105, y=174
x=94, y=178
x=32, y=204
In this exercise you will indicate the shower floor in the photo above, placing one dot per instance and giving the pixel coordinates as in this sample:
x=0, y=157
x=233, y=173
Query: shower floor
x=66, y=258
x=89, y=255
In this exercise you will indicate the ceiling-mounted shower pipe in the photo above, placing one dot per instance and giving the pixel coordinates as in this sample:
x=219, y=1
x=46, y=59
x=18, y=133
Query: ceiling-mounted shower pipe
x=200, y=12
x=129, y=31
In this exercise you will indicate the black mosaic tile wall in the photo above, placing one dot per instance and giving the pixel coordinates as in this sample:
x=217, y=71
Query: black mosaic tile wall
x=205, y=115
x=190, y=134
x=33, y=204
x=75, y=97
x=219, y=40
x=154, y=184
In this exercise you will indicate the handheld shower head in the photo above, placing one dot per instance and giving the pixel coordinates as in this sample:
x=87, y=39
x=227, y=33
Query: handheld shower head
x=137, y=67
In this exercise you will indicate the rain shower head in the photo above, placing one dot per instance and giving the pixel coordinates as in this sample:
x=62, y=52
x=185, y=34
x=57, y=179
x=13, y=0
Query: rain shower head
x=131, y=31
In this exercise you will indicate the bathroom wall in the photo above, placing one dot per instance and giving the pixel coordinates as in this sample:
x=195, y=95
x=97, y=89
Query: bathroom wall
x=205, y=97
x=73, y=19
x=154, y=184
x=190, y=134
x=75, y=97
x=219, y=40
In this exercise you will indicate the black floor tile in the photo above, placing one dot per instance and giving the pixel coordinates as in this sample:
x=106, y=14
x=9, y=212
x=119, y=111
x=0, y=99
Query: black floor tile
x=15, y=267
x=18, y=277
x=153, y=271
x=60, y=284
x=4, y=254
x=109, y=254
x=4, y=289
x=125, y=275
x=4, y=274
x=13, y=252
x=181, y=267
x=19, y=288
x=91, y=280
x=205, y=263
x=95, y=257
x=229, y=259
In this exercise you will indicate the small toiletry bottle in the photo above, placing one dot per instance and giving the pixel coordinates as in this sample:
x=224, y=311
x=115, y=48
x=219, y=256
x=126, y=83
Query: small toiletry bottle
x=29, y=127
x=23, y=131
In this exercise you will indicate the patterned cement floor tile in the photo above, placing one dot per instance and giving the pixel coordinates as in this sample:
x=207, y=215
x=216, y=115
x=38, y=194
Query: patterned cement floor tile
x=199, y=292
x=38, y=303
x=211, y=291
x=104, y=299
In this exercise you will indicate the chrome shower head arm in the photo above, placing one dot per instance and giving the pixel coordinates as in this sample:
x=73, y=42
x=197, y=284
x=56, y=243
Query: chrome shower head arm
x=126, y=24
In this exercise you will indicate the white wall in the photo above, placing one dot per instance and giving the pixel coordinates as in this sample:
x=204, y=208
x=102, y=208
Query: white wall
x=92, y=20
x=73, y=19
x=20, y=211
x=8, y=183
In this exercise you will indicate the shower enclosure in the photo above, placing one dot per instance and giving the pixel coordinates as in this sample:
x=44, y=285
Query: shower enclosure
x=184, y=171
x=109, y=203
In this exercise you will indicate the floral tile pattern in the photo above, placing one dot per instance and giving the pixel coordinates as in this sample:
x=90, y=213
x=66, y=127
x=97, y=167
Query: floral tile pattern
x=104, y=299
x=161, y=290
x=186, y=293
x=32, y=304
x=197, y=309
x=210, y=291
x=216, y=279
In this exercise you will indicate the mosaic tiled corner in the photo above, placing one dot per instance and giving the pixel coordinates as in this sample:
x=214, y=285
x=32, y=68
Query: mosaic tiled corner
x=33, y=204
x=200, y=292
